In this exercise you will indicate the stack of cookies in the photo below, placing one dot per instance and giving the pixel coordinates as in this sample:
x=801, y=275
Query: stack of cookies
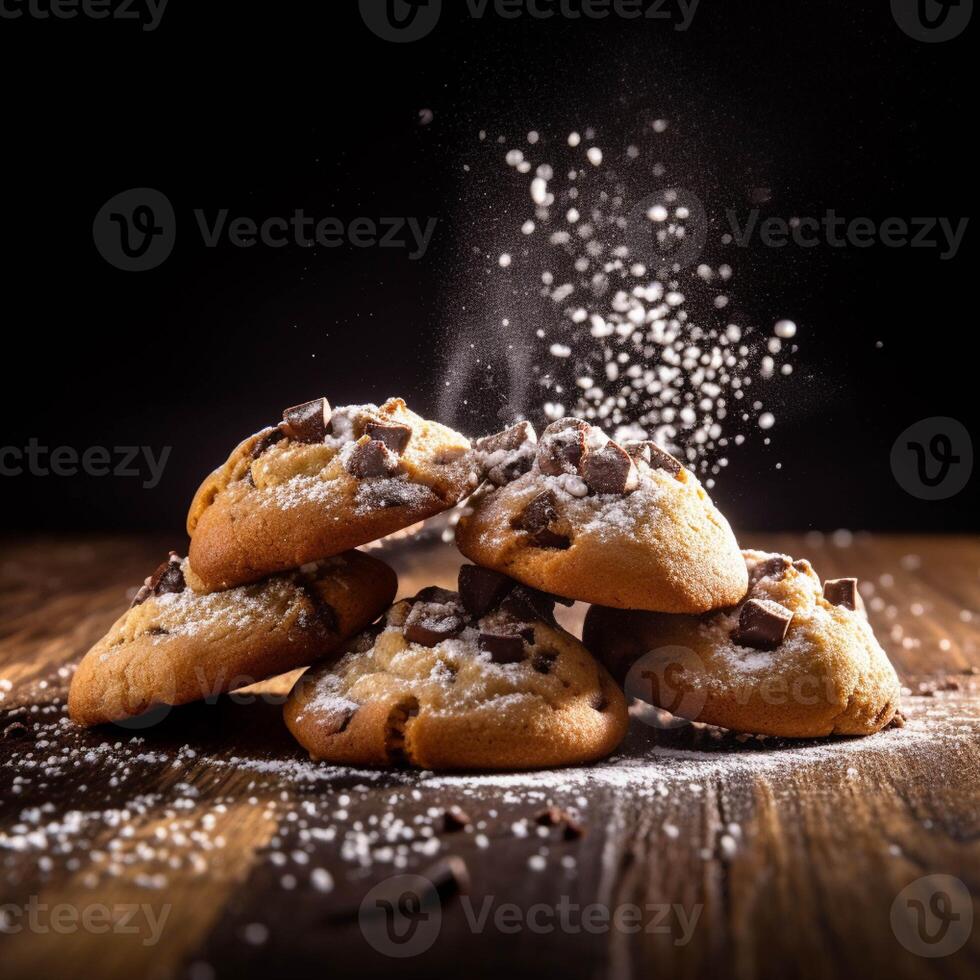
x=482, y=677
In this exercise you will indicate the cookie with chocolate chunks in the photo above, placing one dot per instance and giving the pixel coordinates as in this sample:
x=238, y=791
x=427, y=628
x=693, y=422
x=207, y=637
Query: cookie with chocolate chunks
x=461, y=681
x=787, y=660
x=180, y=643
x=622, y=525
x=325, y=480
x=505, y=455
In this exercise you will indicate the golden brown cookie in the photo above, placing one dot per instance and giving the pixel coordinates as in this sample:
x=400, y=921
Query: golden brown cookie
x=479, y=679
x=578, y=515
x=321, y=482
x=178, y=643
x=793, y=658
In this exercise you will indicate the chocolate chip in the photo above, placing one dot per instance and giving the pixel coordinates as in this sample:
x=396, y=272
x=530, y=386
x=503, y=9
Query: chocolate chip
x=562, y=447
x=528, y=605
x=841, y=592
x=435, y=593
x=15, y=730
x=324, y=615
x=309, y=422
x=428, y=623
x=454, y=818
x=544, y=661
x=334, y=720
x=168, y=578
x=482, y=589
x=774, y=567
x=550, y=816
x=371, y=459
x=504, y=648
x=609, y=470
x=762, y=624
x=535, y=519
x=508, y=454
x=268, y=438
x=651, y=454
x=449, y=876
x=393, y=434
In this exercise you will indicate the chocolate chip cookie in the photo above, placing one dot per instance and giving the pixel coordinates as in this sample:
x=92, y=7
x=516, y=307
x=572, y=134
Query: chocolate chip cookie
x=794, y=657
x=582, y=516
x=322, y=481
x=481, y=678
x=179, y=643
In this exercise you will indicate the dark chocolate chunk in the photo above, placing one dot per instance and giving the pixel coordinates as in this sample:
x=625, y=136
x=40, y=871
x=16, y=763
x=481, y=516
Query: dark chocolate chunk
x=324, y=615
x=762, y=624
x=651, y=454
x=370, y=459
x=168, y=577
x=774, y=567
x=508, y=454
x=393, y=434
x=309, y=422
x=269, y=437
x=482, y=589
x=544, y=661
x=448, y=876
x=841, y=592
x=455, y=818
x=609, y=470
x=527, y=604
x=550, y=816
x=15, y=730
x=334, y=720
x=428, y=623
x=536, y=519
x=562, y=447
x=504, y=648
x=435, y=593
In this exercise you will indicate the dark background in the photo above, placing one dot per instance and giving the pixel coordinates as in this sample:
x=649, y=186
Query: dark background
x=266, y=108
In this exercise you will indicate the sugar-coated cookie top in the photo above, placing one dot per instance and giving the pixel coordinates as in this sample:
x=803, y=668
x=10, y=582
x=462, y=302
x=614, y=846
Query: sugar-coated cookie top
x=390, y=455
x=579, y=481
x=171, y=604
x=787, y=614
x=494, y=641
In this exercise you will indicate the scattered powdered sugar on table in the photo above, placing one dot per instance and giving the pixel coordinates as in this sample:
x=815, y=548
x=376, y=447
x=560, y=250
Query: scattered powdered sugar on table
x=602, y=312
x=320, y=815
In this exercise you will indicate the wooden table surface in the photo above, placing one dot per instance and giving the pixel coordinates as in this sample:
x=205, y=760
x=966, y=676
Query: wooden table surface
x=207, y=846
